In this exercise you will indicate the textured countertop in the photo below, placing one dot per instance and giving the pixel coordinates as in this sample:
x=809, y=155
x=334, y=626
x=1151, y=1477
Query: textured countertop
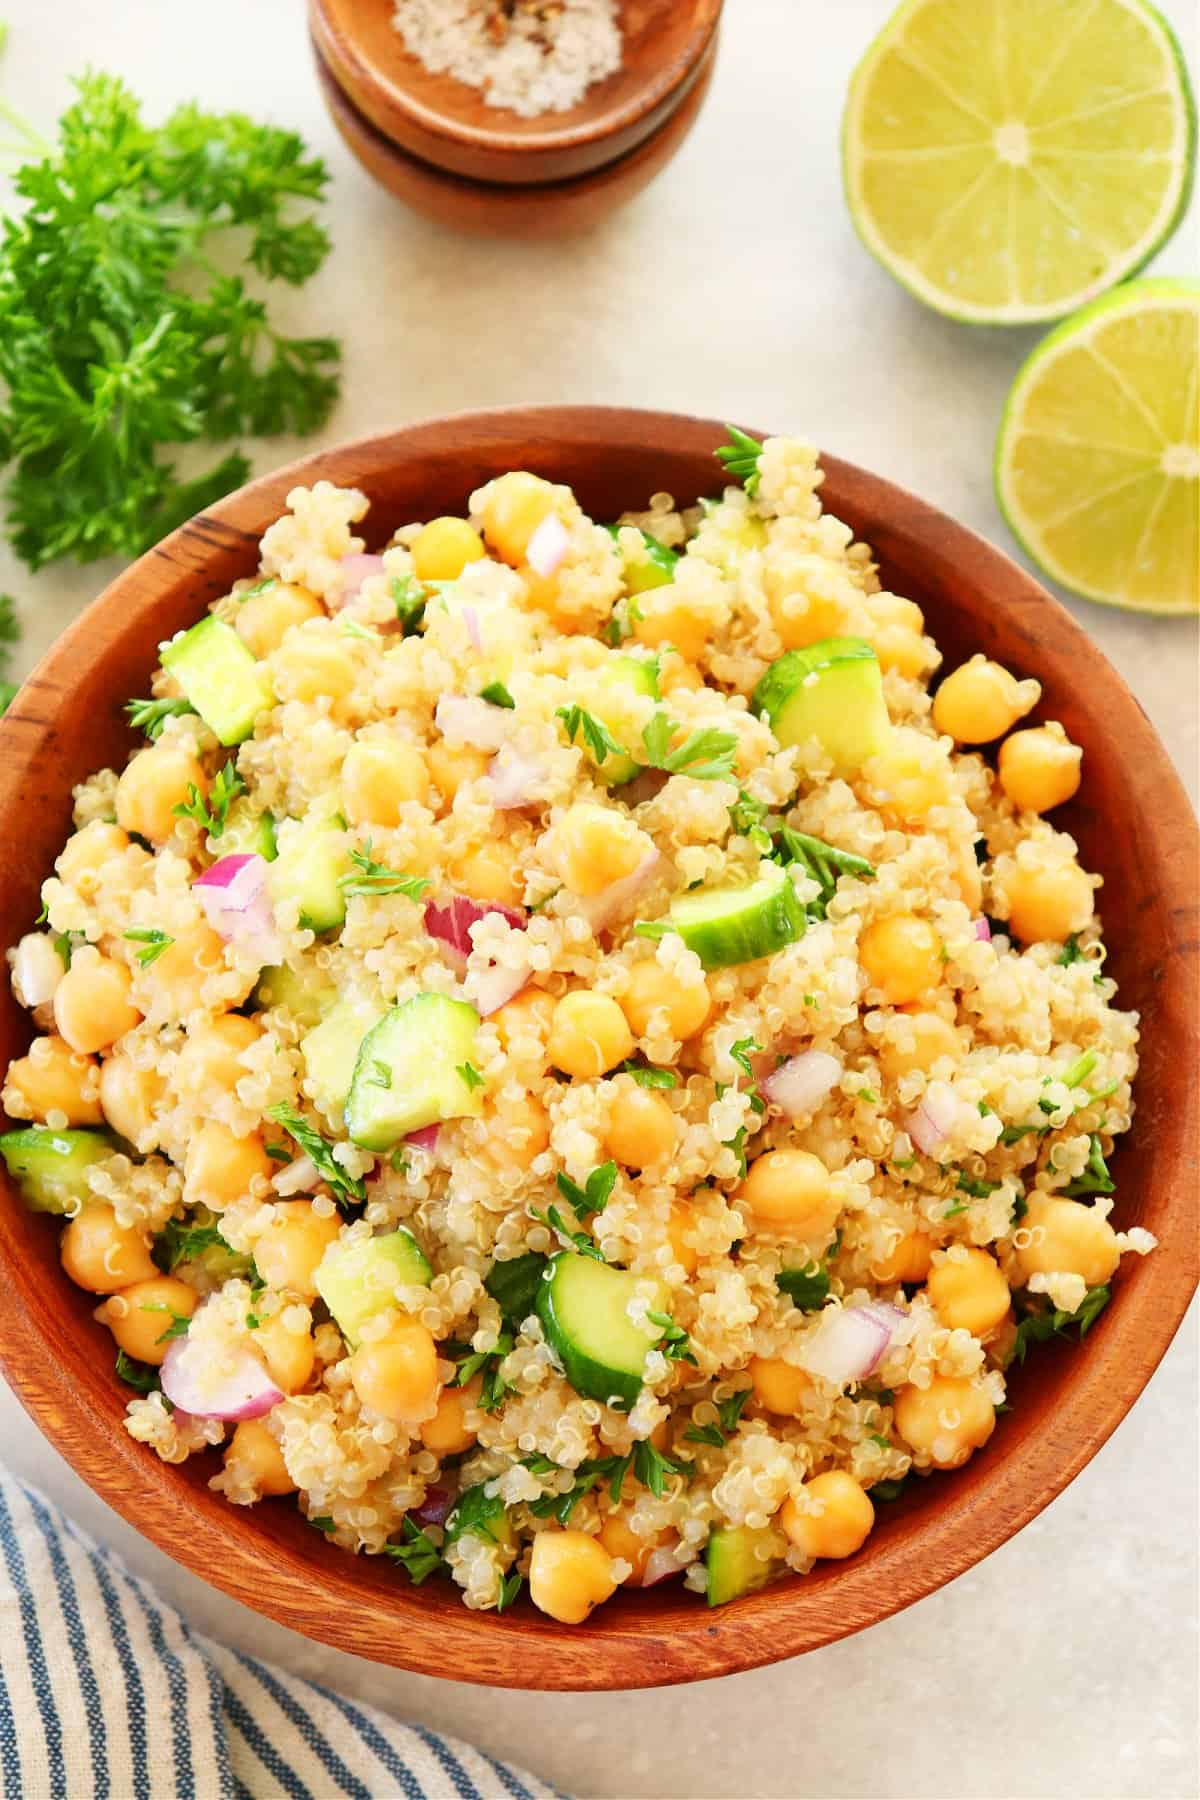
x=1065, y=1664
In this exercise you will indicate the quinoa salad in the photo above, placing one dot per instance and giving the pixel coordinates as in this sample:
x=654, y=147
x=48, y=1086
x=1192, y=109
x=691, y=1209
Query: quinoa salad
x=574, y=1048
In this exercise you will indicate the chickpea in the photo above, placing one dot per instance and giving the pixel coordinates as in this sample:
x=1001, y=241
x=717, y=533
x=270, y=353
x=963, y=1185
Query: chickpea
x=779, y=1386
x=92, y=1007
x=140, y=1317
x=790, y=1191
x=311, y=664
x=595, y=846
x=908, y=778
x=85, y=853
x=287, y=1253
x=153, y=784
x=901, y=954
x=523, y=1024
x=970, y=1293
x=102, y=1256
x=664, y=618
x=289, y=1355
x=264, y=620
x=589, y=1035
x=180, y=975
x=54, y=1078
x=219, y=1166
x=396, y=1376
x=379, y=778
x=679, y=1225
x=1047, y=903
x=569, y=1574
x=130, y=1096
x=896, y=635
x=946, y=1421
x=443, y=548
x=907, y=1261
x=980, y=701
x=842, y=1523
x=967, y=877
x=516, y=505
x=253, y=1452
x=519, y=1131
x=654, y=990
x=916, y=1040
x=800, y=612
x=212, y=1053
x=1039, y=768
x=448, y=1433
x=641, y=1127
x=492, y=873
x=451, y=768
x=1068, y=1238
x=630, y=1546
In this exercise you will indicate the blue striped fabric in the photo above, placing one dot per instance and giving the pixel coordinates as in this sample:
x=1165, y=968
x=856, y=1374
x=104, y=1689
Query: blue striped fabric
x=105, y=1693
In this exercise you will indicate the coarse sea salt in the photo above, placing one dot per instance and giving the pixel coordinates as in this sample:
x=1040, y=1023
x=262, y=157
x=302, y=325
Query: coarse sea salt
x=525, y=56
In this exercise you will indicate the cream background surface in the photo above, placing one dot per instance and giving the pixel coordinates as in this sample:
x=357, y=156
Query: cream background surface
x=1065, y=1664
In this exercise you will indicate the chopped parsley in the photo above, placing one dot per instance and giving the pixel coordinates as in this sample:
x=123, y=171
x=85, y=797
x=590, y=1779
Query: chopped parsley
x=514, y=1284
x=212, y=813
x=594, y=732
x=877, y=1437
x=510, y=1587
x=1038, y=1326
x=494, y=1389
x=153, y=943
x=646, y=1075
x=179, y=1321
x=346, y=1187
x=468, y=1073
x=496, y=694
x=978, y=1190
x=1095, y=1178
x=889, y=1490
x=740, y=458
x=806, y=1288
x=1070, y=953
x=138, y=1375
x=593, y=1196
x=674, y=1343
x=475, y=1512
x=705, y=755
x=150, y=716
x=178, y=1243
x=577, y=1240
x=375, y=878
x=417, y=1554
x=822, y=863
x=746, y=816
x=952, y=1211
x=323, y=1522
x=741, y=1052
x=408, y=597
x=728, y=1413
x=1080, y=1069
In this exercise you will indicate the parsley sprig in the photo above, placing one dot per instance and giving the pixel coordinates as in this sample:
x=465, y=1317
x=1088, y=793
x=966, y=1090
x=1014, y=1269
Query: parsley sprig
x=705, y=755
x=740, y=458
x=1038, y=1326
x=649, y=1466
x=728, y=1413
x=375, y=878
x=151, y=715
x=494, y=1389
x=674, y=1343
x=1095, y=1178
x=593, y=1196
x=416, y=1553
x=599, y=740
x=346, y=1187
x=211, y=813
x=575, y=1240
x=153, y=943
x=825, y=864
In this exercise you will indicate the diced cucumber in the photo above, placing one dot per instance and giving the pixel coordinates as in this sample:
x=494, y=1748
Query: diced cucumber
x=330, y=1051
x=636, y=674
x=306, y=998
x=482, y=1515
x=313, y=857
x=50, y=1167
x=655, y=567
x=732, y=1565
x=739, y=924
x=225, y=684
x=359, y=1278
x=584, y=1308
x=248, y=833
x=412, y=1071
x=831, y=691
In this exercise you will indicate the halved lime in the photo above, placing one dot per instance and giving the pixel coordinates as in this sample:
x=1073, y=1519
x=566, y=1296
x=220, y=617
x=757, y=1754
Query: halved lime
x=1008, y=160
x=1098, y=457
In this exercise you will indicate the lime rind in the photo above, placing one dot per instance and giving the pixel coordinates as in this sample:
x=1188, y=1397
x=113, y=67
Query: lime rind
x=1147, y=294
x=1123, y=265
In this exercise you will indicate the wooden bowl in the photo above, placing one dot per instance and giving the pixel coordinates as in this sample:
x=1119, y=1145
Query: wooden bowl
x=1132, y=822
x=554, y=210
x=444, y=122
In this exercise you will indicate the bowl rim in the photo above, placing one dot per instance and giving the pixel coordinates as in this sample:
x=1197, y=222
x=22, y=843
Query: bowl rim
x=382, y=97
x=787, y=1618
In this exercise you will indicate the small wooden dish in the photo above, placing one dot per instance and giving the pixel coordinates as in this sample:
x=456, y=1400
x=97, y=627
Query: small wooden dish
x=1133, y=825
x=485, y=209
x=447, y=124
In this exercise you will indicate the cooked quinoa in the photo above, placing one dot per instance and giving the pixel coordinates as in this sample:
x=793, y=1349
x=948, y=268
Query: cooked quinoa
x=563, y=1054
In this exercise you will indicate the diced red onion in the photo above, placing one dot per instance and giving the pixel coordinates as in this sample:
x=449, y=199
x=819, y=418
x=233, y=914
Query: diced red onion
x=466, y=719
x=450, y=921
x=37, y=969
x=621, y=896
x=800, y=1085
x=425, y=1139
x=233, y=893
x=662, y=1564
x=645, y=786
x=983, y=931
x=354, y=571
x=435, y=1508
x=471, y=621
x=514, y=779
x=236, y=1386
x=547, y=546
x=491, y=988
x=851, y=1342
x=298, y=1177
x=932, y=1122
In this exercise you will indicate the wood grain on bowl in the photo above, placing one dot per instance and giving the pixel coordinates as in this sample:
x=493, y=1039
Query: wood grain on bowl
x=444, y=122
x=1133, y=825
x=553, y=210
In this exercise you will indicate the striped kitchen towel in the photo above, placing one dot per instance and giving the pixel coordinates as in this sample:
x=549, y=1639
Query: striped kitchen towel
x=105, y=1694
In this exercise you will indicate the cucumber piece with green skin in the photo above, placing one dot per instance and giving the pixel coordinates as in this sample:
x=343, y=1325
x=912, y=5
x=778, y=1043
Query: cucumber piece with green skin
x=313, y=857
x=409, y=1071
x=227, y=686
x=636, y=673
x=733, y=1567
x=359, y=1278
x=655, y=567
x=831, y=691
x=50, y=1167
x=249, y=833
x=739, y=924
x=307, y=999
x=330, y=1051
x=583, y=1306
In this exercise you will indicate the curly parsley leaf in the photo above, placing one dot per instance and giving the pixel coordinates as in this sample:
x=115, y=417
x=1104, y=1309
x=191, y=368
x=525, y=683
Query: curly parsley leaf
x=595, y=733
x=706, y=755
x=417, y=1553
x=150, y=716
x=740, y=458
x=375, y=878
x=346, y=1187
x=211, y=812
